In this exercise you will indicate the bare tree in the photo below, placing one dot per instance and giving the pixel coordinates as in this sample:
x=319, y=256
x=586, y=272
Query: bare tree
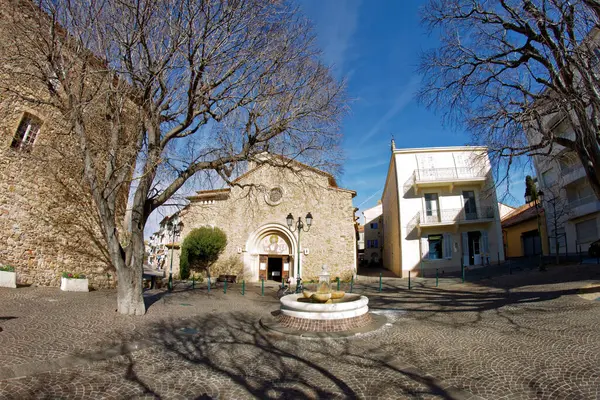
x=171, y=88
x=508, y=67
x=556, y=212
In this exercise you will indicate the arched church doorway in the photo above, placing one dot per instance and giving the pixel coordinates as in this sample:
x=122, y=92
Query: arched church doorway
x=275, y=258
x=270, y=252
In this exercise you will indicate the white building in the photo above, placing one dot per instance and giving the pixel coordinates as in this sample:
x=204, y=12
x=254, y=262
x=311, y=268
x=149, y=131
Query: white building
x=440, y=210
x=161, y=241
x=567, y=195
x=373, y=219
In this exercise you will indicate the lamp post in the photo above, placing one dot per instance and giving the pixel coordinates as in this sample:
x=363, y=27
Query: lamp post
x=299, y=226
x=538, y=204
x=174, y=230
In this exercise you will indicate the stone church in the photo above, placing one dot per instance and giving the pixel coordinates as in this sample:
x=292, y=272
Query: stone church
x=253, y=212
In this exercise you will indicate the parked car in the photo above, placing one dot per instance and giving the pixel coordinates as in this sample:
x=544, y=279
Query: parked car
x=594, y=250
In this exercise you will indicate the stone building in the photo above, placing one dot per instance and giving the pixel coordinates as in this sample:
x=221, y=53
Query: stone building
x=253, y=215
x=47, y=222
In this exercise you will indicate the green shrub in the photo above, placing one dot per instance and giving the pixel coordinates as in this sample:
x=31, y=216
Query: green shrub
x=7, y=268
x=200, y=249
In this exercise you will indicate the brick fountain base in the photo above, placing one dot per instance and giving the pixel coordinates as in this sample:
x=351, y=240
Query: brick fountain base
x=300, y=316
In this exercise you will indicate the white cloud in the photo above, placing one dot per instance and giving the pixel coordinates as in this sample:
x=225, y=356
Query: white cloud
x=336, y=22
x=403, y=99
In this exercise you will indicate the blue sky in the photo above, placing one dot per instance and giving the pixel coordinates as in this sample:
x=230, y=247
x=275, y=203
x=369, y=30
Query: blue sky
x=375, y=45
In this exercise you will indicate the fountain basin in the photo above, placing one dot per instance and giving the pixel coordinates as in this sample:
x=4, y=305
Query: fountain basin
x=349, y=306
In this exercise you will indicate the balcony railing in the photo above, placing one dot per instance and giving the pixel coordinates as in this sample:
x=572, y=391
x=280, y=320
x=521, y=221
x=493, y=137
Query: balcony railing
x=582, y=201
x=447, y=174
x=450, y=216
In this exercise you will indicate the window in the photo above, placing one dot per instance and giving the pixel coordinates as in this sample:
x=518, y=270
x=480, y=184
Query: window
x=375, y=243
x=431, y=207
x=27, y=132
x=374, y=225
x=549, y=177
x=470, y=204
x=435, y=247
x=587, y=231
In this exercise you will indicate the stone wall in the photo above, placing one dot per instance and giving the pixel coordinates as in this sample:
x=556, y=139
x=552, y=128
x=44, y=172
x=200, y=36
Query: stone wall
x=47, y=222
x=330, y=240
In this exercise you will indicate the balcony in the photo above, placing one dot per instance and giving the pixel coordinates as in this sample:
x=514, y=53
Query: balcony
x=452, y=217
x=583, y=206
x=572, y=173
x=450, y=177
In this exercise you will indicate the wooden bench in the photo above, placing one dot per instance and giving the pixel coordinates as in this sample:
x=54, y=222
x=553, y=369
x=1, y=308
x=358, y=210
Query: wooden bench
x=227, y=278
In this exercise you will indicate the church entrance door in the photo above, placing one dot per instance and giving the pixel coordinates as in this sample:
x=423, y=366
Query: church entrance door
x=275, y=269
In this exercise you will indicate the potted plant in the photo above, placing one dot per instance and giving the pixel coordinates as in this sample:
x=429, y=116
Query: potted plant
x=8, y=276
x=74, y=282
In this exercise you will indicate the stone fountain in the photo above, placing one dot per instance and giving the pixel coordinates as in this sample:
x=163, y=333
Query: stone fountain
x=324, y=310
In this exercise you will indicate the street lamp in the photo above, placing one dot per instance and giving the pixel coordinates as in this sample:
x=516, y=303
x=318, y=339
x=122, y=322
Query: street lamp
x=538, y=205
x=174, y=229
x=298, y=227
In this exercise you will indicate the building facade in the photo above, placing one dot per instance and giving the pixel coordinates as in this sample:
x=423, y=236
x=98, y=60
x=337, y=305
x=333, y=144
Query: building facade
x=160, y=243
x=373, y=227
x=572, y=209
x=253, y=214
x=360, y=242
x=522, y=237
x=440, y=211
x=48, y=223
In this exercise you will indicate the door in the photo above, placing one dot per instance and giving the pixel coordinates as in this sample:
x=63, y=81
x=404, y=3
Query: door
x=470, y=204
x=286, y=267
x=432, y=209
x=275, y=269
x=474, y=248
x=262, y=267
x=465, y=248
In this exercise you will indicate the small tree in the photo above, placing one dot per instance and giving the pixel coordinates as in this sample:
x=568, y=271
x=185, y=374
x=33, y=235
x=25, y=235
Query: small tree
x=530, y=188
x=200, y=249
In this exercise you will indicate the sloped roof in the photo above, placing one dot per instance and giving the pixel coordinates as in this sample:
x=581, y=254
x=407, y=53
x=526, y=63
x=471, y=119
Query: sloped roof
x=524, y=213
x=203, y=194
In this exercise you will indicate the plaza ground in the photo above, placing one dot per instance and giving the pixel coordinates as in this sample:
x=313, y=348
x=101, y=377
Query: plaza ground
x=528, y=335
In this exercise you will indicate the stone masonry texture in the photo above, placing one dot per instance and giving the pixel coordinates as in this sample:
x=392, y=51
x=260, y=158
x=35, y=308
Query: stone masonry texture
x=331, y=240
x=47, y=222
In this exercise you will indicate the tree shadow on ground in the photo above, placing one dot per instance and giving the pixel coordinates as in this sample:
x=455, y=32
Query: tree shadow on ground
x=228, y=355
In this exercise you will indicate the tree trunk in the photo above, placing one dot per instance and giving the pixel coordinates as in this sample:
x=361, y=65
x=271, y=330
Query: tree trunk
x=130, y=297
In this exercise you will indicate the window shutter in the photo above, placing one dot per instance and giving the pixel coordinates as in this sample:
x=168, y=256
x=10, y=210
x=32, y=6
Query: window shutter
x=448, y=246
x=485, y=242
x=465, y=244
x=424, y=248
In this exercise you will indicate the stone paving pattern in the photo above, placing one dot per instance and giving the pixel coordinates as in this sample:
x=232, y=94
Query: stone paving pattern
x=526, y=336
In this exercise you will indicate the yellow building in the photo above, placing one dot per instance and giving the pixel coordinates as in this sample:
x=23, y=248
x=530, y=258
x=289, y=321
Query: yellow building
x=520, y=232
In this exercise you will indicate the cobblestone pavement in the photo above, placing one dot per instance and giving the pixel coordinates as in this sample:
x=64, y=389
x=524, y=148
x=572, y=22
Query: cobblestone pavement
x=514, y=337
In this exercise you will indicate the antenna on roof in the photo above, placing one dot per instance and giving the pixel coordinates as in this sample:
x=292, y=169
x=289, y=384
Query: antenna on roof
x=393, y=144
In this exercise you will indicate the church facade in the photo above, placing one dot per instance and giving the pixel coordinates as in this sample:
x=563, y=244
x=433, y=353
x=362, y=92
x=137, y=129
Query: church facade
x=260, y=245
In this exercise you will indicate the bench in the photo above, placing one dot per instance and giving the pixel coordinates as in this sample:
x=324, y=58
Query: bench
x=227, y=278
x=152, y=275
